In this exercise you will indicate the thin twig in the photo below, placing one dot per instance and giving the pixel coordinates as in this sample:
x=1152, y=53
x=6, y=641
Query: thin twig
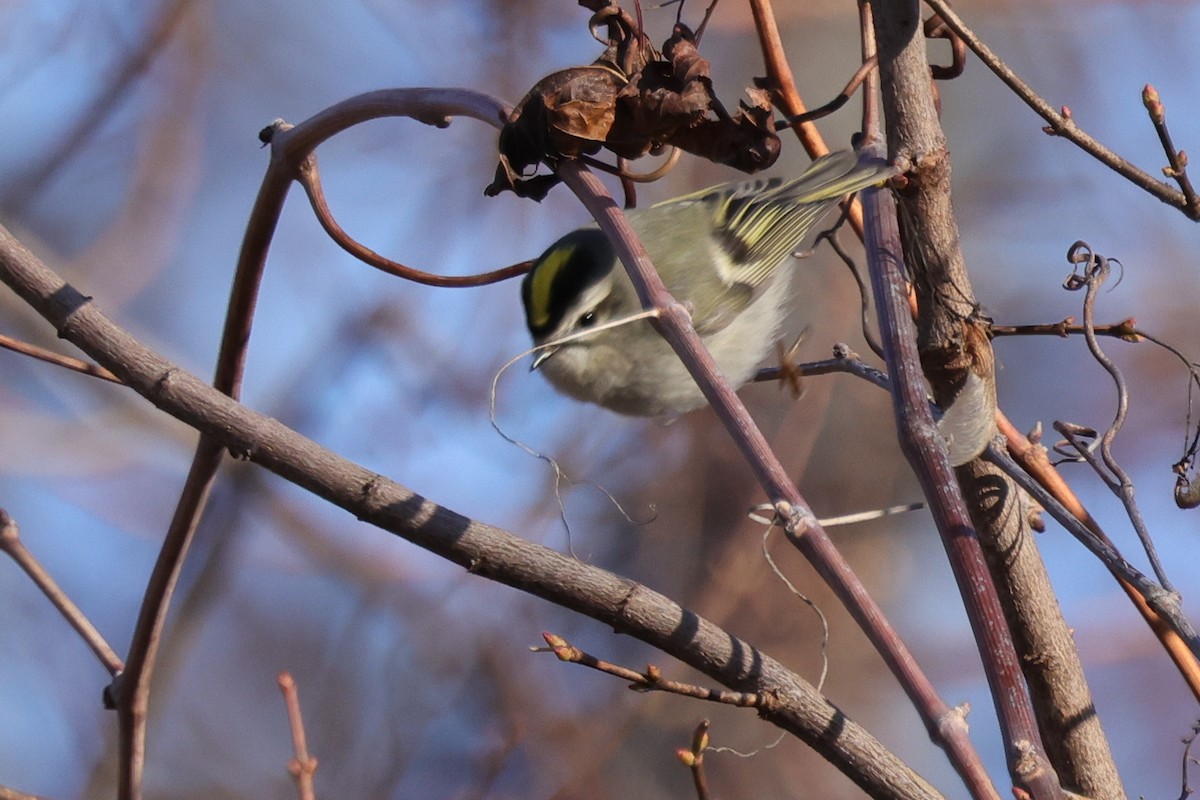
x=844, y=360
x=812, y=115
x=1177, y=161
x=693, y=758
x=651, y=680
x=1061, y=123
x=1187, y=760
x=11, y=544
x=869, y=52
x=302, y=765
x=624, y=174
x=309, y=177
x=864, y=294
x=1125, y=329
x=936, y=28
x=59, y=360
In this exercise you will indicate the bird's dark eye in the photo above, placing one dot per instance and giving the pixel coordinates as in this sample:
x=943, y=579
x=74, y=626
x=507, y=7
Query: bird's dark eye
x=587, y=320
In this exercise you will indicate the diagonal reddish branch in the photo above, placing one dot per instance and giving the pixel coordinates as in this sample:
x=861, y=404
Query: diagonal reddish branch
x=793, y=512
x=787, y=96
x=1034, y=460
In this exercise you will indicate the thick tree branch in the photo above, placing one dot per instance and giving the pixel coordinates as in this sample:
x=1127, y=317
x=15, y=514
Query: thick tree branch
x=484, y=550
x=951, y=349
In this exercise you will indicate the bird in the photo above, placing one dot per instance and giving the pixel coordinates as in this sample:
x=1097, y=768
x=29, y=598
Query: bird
x=718, y=250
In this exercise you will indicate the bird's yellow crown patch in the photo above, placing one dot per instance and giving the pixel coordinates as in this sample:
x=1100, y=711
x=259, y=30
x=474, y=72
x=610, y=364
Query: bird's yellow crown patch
x=542, y=281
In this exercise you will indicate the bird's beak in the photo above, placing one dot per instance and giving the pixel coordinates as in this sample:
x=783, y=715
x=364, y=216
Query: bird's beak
x=542, y=357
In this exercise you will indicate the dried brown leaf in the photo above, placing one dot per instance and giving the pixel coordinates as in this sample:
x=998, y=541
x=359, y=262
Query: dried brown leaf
x=632, y=101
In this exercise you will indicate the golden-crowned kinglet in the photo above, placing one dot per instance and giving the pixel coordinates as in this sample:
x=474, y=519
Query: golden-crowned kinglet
x=716, y=250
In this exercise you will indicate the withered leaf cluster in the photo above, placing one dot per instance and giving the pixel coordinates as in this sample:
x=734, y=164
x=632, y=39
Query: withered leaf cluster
x=633, y=100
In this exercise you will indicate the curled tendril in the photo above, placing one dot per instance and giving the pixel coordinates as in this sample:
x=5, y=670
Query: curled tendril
x=1095, y=268
x=1089, y=270
x=603, y=19
x=1083, y=441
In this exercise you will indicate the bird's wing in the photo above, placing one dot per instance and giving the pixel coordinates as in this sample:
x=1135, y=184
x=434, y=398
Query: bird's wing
x=758, y=224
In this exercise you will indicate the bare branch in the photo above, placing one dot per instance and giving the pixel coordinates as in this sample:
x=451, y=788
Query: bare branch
x=484, y=550
x=1060, y=122
x=652, y=679
x=1177, y=160
x=310, y=178
x=11, y=544
x=41, y=354
x=952, y=345
x=303, y=765
x=693, y=758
